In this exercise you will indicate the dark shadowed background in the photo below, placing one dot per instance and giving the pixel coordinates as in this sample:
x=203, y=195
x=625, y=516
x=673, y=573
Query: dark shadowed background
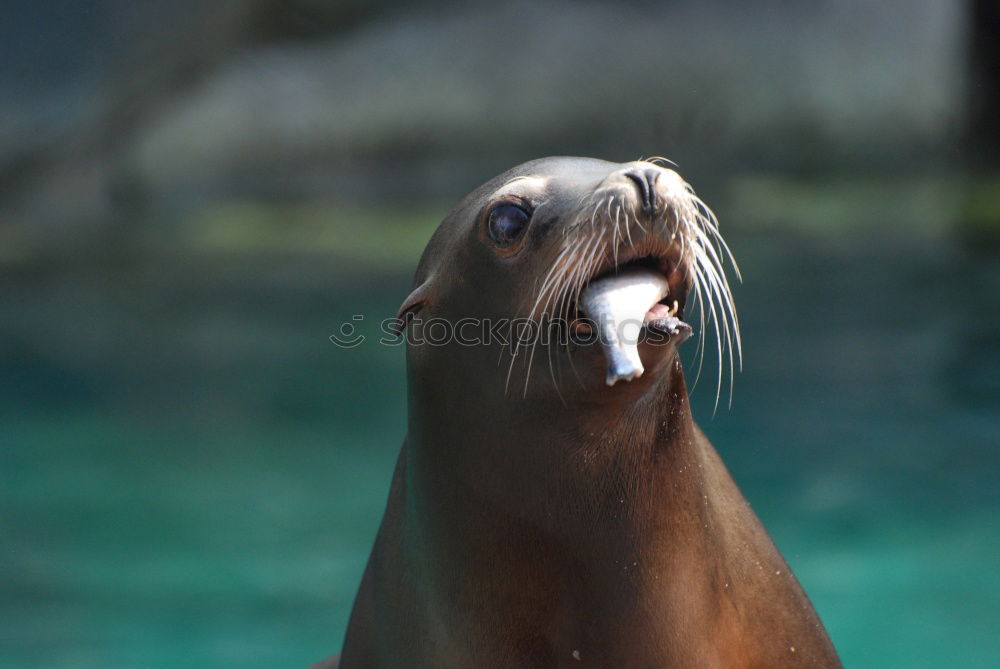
x=195, y=196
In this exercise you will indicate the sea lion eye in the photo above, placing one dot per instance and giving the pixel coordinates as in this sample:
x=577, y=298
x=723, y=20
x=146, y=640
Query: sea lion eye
x=507, y=222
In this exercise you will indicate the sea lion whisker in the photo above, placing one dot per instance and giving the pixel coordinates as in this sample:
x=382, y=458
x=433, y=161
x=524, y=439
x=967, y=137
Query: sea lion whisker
x=713, y=266
x=705, y=227
x=510, y=367
x=700, y=350
x=720, y=324
x=593, y=213
x=552, y=277
x=541, y=323
x=552, y=375
x=583, y=204
x=596, y=255
x=708, y=221
x=572, y=263
x=586, y=268
x=531, y=316
x=531, y=359
x=628, y=230
x=717, y=327
x=638, y=222
x=577, y=277
x=567, y=252
x=714, y=260
x=656, y=160
x=710, y=258
x=703, y=306
x=553, y=292
x=573, y=281
x=561, y=302
x=615, y=225
x=621, y=215
x=610, y=201
x=719, y=315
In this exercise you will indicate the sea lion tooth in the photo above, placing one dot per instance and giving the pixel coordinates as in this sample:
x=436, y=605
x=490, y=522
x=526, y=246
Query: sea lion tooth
x=617, y=304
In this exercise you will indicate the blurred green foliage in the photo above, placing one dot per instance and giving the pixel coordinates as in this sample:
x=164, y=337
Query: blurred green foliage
x=357, y=238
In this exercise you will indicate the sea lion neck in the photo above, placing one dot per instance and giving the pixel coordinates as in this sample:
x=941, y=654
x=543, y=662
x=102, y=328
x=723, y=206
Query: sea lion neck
x=599, y=508
x=539, y=461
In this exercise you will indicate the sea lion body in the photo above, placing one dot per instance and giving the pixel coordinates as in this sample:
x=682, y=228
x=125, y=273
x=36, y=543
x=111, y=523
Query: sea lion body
x=539, y=518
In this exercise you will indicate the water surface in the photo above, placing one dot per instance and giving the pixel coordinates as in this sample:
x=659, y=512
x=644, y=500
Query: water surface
x=192, y=474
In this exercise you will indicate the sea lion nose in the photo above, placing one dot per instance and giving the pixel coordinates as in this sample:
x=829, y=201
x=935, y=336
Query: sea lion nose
x=645, y=179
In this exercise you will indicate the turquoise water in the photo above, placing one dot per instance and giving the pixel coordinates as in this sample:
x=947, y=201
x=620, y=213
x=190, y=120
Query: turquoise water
x=192, y=475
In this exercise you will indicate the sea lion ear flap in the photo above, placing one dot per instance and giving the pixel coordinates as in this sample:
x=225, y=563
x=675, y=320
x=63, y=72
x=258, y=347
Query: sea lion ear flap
x=411, y=305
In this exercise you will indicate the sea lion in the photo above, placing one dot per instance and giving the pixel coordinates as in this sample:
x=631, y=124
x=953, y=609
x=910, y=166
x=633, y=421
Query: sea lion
x=554, y=503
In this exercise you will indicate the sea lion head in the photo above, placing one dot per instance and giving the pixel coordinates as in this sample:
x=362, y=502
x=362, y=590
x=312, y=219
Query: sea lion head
x=505, y=290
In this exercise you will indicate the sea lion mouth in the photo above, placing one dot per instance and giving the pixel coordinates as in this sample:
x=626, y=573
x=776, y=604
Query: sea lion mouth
x=639, y=298
x=671, y=304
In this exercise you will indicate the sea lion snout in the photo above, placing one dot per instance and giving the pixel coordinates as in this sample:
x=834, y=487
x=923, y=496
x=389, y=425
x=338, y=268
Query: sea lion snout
x=645, y=178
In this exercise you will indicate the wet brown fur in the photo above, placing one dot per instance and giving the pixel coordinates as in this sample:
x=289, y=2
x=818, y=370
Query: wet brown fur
x=589, y=527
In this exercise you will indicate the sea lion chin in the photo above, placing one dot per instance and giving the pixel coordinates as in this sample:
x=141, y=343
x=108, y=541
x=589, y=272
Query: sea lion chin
x=553, y=502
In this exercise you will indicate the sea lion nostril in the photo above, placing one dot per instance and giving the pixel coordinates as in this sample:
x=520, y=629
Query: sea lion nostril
x=646, y=181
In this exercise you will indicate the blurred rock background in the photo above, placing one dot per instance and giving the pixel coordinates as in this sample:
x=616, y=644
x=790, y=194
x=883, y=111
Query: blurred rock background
x=118, y=115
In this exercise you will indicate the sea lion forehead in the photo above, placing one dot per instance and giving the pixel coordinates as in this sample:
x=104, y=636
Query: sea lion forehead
x=554, y=176
x=557, y=184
